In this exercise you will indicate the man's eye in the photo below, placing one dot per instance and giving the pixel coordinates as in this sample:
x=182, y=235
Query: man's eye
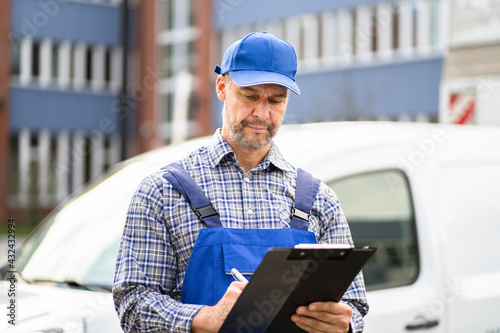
x=250, y=97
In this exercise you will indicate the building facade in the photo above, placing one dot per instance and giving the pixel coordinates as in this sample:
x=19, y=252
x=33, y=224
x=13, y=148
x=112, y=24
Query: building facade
x=358, y=60
x=76, y=103
x=64, y=86
x=413, y=60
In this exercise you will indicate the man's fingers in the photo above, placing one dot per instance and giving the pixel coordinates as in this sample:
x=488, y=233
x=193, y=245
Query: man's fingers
x=232, y=293
x=238, y=284
x=323, y=317
x=219, y=312
x=317, y=316
x=331, y=307
x=310, y=324
x=235, y=289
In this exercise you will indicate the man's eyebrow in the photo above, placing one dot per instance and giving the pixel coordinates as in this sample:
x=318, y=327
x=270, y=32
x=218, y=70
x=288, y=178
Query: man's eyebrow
x=250, y=89
x=254, y=90
x=285, y=94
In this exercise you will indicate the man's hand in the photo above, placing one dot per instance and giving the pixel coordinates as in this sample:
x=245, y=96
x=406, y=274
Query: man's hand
x=323, y=317
x=210, y=318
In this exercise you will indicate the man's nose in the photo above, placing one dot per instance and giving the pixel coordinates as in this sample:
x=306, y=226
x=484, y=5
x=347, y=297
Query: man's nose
x=261, y=109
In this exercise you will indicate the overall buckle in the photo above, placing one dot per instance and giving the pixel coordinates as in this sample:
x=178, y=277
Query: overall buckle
x=300, y=214
x=205, y=211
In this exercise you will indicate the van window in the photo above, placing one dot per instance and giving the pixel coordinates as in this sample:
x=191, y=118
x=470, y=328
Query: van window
x=379, y=210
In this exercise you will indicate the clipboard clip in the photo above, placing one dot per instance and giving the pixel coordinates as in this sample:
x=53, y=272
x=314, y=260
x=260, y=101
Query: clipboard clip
x=318, y=253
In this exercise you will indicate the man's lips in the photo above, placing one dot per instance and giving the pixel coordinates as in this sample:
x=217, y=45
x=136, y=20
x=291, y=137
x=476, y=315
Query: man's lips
x=257, y=129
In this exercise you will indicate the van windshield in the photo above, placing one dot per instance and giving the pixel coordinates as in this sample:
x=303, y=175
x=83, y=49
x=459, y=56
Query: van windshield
x=79, y=241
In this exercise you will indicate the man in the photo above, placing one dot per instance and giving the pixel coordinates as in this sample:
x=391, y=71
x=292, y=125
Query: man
x=169, y=275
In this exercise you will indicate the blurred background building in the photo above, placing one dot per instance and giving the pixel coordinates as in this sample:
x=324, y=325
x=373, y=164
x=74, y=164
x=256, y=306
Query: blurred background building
x=87, y=83
x=63, y=104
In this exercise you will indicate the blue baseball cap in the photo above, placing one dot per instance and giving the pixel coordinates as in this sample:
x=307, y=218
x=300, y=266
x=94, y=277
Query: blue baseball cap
x=261, y=58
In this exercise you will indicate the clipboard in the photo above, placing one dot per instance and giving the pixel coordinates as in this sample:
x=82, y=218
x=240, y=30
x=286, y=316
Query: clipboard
x=291, y=277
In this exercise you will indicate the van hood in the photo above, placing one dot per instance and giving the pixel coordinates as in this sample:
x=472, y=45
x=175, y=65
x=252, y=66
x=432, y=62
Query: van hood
x=56, y=309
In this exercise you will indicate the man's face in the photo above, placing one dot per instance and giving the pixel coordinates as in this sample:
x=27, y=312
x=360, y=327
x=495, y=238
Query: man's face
x=251, y=115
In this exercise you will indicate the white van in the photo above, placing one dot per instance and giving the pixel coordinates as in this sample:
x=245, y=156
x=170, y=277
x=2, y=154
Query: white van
x=427, y=196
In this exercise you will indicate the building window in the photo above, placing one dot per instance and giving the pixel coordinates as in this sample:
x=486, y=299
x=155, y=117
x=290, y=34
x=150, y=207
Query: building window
x=395, y=27
x=167, y=14
x=177, y=63
x=88, y=65
x=35, y=59
x=54, y=62
x=15, y=57
x=192, y=60
x=375, y=31
x=167, y=105
x=166, y=61
x=107, y=66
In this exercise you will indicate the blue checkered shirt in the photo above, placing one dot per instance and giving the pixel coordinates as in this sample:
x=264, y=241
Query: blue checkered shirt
x=161, y=230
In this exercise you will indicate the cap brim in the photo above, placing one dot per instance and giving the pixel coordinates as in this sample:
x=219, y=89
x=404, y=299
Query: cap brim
x=247, y=78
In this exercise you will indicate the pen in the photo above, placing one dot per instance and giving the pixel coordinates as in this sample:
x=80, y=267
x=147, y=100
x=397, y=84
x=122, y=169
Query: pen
x=237, y=275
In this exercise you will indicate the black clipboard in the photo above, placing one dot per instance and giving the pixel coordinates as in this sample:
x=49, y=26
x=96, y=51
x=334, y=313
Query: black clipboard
x=291, y=277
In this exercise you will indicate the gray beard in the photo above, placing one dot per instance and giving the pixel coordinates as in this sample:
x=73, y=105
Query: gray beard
x=237, y=135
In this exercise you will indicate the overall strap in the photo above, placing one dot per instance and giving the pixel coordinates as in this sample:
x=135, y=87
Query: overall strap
x=199, y=202
x=305, y=193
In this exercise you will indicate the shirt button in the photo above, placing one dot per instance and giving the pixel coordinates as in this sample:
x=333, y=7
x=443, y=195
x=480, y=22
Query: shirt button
x=247, y=179
x=250, y=212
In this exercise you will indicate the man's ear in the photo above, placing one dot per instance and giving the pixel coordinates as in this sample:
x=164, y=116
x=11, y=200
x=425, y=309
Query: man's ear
x=220, y=87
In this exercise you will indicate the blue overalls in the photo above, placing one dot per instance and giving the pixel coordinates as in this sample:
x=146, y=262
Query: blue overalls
x=217, y=249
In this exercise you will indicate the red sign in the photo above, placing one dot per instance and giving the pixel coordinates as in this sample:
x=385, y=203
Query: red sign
x=461, y=108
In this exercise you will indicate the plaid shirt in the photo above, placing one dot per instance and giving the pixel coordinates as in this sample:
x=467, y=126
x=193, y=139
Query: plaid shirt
x=161, y=230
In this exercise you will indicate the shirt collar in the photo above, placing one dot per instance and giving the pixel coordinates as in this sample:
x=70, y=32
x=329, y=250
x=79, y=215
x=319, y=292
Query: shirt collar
x=218, y=149
x=276, y=158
